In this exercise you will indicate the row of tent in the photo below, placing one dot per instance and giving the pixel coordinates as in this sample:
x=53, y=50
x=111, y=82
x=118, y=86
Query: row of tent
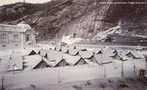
x=65, y=56
x=84, y=53
x=56, y=57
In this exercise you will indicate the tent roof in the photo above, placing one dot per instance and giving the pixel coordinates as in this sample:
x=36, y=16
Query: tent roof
x=72, y=59
x=102, y=58
x=64, y=49
x=54, y=55
x=32, y=61
x=16, y=61
x=73, y=51
x=86, y=54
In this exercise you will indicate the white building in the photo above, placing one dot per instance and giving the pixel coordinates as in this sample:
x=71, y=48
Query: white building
x=16, y=36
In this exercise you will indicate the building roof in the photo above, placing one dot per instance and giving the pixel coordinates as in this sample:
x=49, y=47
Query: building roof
x=21, y=27
x=24, y=26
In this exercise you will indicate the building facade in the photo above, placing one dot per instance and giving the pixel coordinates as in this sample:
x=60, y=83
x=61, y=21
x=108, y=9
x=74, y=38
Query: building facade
x=16, y=36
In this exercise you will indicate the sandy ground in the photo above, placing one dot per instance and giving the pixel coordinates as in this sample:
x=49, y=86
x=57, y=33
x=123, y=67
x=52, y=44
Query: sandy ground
x=117, y=83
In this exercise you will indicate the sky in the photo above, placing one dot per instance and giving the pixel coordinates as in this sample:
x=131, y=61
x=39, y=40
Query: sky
x=4, y=2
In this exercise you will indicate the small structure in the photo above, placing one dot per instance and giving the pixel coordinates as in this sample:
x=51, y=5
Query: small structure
x=98, y=52
x=42, y=64
x=73, y=52
x=57, y=63
x=86, y=54
x=120, y=56
x=115, y=51
x=53, y=55
x=83, y=49
x=34, y=62
x=58, y=48
x=42, y=52
x=134, y=55
x=56, y=59
x=16, y=62
x=101, y=59
x=16, y=36
x=74, y=60
x=29, y=52
x=117, y=57
x=61, y=63
x=65, y=49
x=32, y=52
x=72, y=47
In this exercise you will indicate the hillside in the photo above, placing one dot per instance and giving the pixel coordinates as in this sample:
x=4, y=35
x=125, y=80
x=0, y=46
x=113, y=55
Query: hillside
x=84, y=18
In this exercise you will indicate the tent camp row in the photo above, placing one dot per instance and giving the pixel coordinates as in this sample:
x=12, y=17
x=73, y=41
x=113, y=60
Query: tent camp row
x=63, y=56
x=52, y=58
x=36, y=61
x=126, y=55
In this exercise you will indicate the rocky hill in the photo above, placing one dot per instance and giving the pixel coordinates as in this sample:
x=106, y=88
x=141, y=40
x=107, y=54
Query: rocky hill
x=83, y=18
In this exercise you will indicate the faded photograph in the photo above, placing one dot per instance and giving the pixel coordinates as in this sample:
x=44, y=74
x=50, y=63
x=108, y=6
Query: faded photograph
x=73, y=45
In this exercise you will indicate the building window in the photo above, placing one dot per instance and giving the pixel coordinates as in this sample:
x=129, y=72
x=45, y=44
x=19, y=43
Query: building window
x=3, y=45
x=15, y=36
x=16, y=44
x=3, y=37
x=27, y=38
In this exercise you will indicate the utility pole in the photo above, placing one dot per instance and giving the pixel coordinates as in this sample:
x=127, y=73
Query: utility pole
x=146, y=62
x=59, y=76
x=104, y=71
x=101, y=58
x=134, y=67
x=2, y=88
x=0, y=61
x=122, y=69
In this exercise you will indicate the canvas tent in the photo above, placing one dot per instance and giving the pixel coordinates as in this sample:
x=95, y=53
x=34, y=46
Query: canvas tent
x=74, y=60
x=102, y=59
x=134, y=55
x=53, y=55
x=32, y=52
x=58, y=48
x=98, y=51
x=72, y=47
x=34, y=62
x=42, y=52
x=16, y=62
x=86, y=54
x=57, y=63
x=73, y=52
x=65, y=49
